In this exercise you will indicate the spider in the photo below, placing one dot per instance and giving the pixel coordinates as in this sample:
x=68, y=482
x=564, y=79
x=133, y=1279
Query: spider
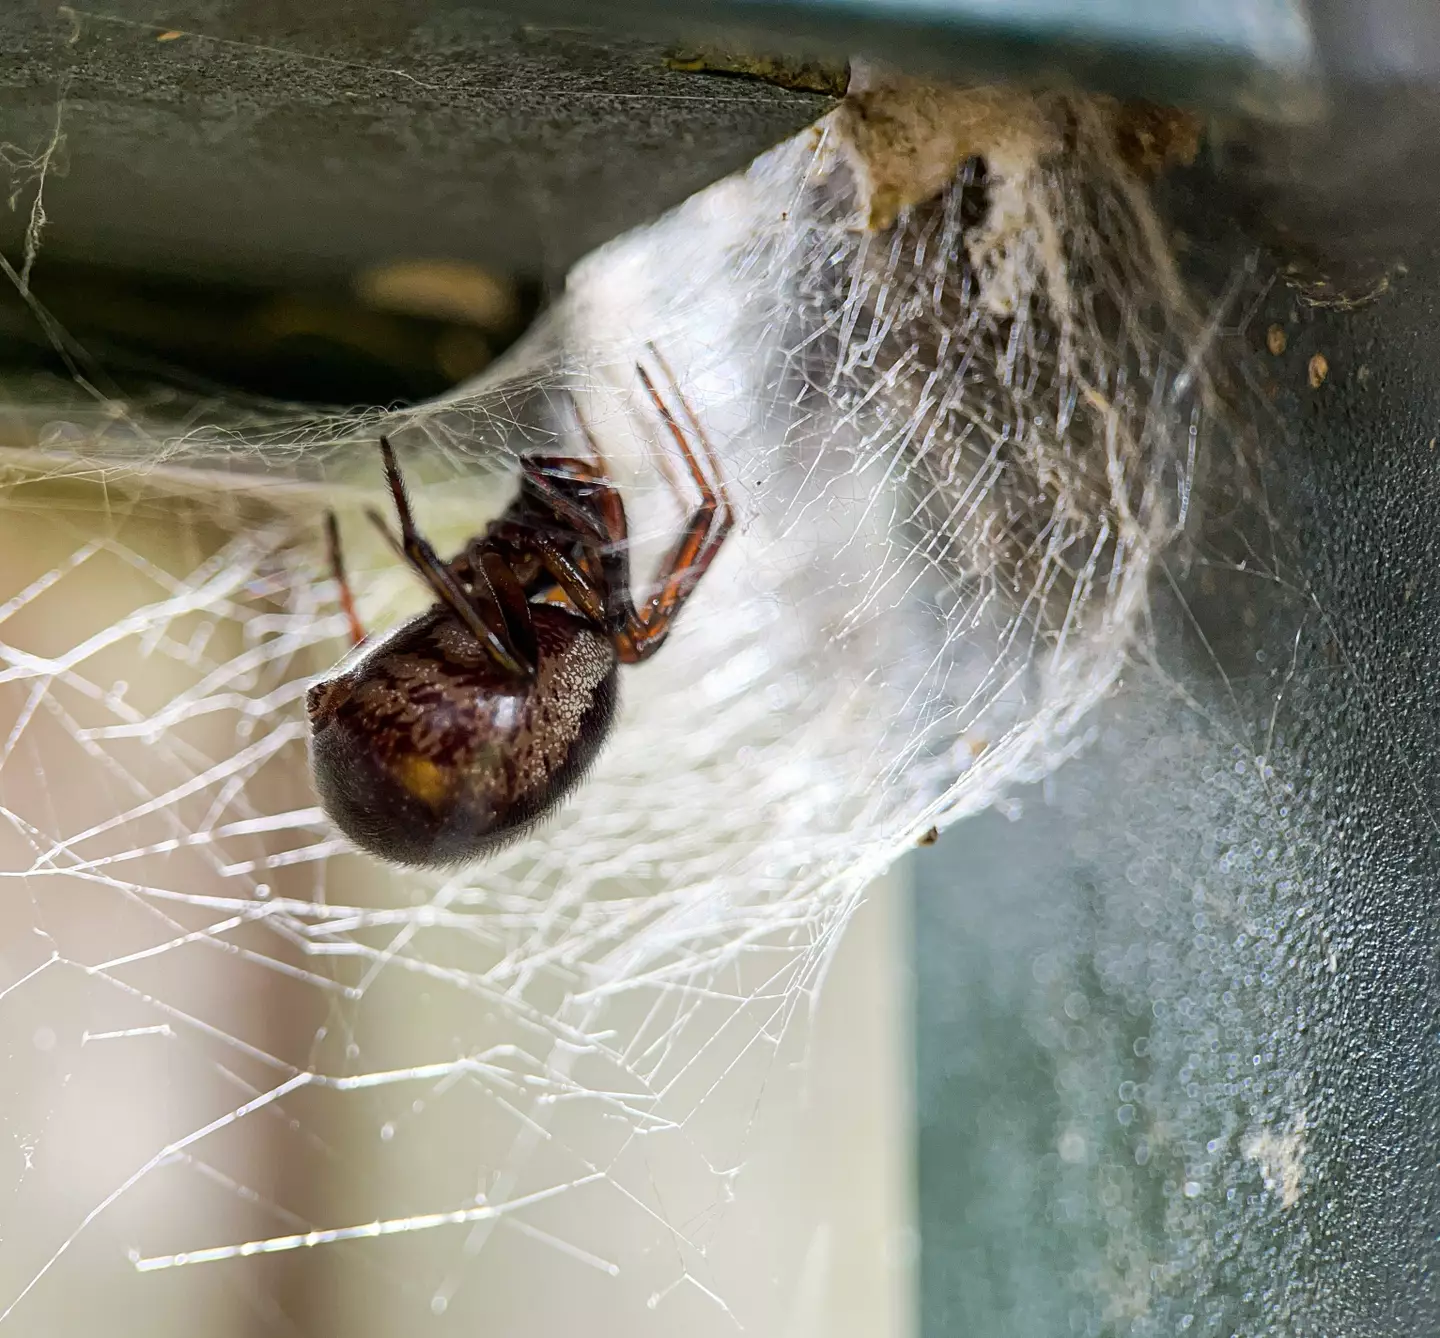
x=463, y=728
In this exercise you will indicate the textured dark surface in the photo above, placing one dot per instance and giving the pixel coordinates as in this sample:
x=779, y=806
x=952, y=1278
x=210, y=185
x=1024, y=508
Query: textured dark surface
x=279, y=142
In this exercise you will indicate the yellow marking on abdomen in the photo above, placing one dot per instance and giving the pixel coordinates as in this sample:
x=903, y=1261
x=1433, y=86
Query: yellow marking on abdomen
x=429, y=783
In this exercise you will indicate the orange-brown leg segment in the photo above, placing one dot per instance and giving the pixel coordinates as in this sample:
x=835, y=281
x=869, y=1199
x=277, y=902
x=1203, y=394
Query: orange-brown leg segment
x=342, y=581
x=596, y=579
x=698, y=544
x=546, y=473
x=580, y=585
x=712, y=461
x=610, y=506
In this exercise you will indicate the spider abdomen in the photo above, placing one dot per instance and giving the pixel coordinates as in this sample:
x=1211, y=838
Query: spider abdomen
x=427, y=752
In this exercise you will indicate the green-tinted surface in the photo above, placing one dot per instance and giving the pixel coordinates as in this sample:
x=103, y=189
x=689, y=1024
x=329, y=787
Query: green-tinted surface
x=1258, y=56
x=1269, y=32
x=1176, y=1022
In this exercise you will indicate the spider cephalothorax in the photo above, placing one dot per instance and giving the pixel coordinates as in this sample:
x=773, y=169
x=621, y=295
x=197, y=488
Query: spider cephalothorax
x=470, y=722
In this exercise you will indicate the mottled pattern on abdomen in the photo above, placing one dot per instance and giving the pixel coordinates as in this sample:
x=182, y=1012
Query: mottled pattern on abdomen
x=427, y=752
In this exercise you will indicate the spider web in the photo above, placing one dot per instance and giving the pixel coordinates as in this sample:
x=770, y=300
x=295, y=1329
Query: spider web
x=955, y=441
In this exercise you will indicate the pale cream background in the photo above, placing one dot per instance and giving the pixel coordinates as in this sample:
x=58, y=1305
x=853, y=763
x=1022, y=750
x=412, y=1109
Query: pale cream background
x=809, y=1236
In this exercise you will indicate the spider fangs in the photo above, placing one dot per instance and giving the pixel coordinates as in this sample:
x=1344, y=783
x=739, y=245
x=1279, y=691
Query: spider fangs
x=469, y=723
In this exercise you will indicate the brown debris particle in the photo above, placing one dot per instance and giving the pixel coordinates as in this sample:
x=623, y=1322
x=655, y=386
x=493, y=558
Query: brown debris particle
x=1150, y=138
x=929, y=838
x=907, y=138
x=1319, y=370
x=1275, y=339
x=802, y=76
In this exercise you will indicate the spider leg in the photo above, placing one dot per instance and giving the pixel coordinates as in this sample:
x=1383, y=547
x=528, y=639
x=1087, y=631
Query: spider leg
x=581, y=576
x=605, y=561
x=494, y=580
x=337, y=570
x=492, y=632
x=585, y=589
x=647, y=627
x=672, y=479
x=713, y=496
x=711, y=459
x=542, y=472
x=698, y=544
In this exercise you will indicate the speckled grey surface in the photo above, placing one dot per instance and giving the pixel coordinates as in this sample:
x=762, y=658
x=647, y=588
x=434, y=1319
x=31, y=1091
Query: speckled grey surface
x=278, y=141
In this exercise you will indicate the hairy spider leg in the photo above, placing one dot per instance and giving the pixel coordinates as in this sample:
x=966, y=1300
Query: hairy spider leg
x=603, y=570
x=693, y=551
x=602, y=534
x=580, y=583
x=640, y=632
x=690, y=416
x=484, y=619
x=337, y=570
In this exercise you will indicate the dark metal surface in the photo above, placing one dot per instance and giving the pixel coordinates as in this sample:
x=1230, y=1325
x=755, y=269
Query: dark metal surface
x=279, y=142
x=275, y=142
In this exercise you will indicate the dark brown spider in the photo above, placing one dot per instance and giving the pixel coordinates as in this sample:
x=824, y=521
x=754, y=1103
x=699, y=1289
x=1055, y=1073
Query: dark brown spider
x=466, y=725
